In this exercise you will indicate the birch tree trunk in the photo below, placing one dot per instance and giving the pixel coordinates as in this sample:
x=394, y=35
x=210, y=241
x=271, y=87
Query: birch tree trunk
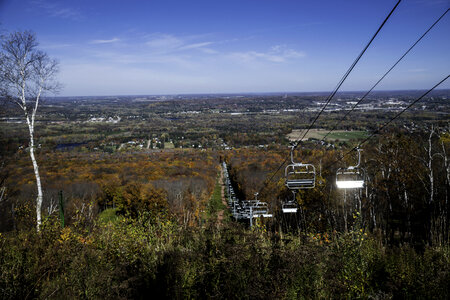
x=430, y=166
x=445, y=213
x=40, y=195
x=26, y=73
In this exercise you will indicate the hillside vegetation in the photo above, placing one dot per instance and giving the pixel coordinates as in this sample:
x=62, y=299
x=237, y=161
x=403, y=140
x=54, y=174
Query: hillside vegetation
x=133, y=204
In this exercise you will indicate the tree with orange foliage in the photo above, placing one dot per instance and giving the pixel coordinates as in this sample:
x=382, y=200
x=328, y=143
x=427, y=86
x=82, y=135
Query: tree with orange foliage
x=137, y=197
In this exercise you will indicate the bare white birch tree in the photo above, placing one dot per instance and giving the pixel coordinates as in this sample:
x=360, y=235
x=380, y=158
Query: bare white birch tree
x=26, y=73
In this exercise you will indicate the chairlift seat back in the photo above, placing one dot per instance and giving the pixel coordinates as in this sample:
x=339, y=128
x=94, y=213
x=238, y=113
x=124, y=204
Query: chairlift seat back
x=289, y=207
x=260, y=208
x=300, y=176
x=350, y=178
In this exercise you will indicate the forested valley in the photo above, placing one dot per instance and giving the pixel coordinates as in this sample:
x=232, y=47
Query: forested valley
x=135, y=199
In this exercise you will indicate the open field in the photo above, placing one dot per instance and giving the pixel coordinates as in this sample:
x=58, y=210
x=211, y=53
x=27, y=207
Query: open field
x=341, y=135
x=168, y=145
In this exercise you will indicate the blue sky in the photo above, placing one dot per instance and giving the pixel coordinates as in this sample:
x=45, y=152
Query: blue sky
x=113, y=47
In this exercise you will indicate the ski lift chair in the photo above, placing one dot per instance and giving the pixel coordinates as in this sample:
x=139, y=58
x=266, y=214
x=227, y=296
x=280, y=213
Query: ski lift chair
x=351, y=177
x=256, y=208
x=290, y=206
x=299, y=175
x=259, y=209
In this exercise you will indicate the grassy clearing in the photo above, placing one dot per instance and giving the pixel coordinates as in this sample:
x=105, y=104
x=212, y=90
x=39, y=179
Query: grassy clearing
x=318, y=134
x=215, y=203
x=348, y=135
x=108, y=215
x=168, y=145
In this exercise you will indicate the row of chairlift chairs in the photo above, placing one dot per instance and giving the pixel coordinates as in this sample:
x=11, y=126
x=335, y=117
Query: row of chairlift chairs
x=244, y=209
x=300, y=176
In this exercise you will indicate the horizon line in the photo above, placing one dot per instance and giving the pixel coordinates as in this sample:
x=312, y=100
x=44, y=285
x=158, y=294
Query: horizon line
x=240, y=93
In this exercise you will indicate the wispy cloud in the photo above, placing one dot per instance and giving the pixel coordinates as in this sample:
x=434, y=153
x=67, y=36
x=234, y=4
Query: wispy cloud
x=55, y=45
x=167, y=43
x=113, y=40
x=142, y=59
x=195, y=45
x=164, y=42
x=163, y=62
x=276, y=54
x=209, y=51
x=57, y=9
x=193, y=52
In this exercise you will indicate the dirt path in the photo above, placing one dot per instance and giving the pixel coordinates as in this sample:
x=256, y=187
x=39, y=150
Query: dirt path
x=224, y=201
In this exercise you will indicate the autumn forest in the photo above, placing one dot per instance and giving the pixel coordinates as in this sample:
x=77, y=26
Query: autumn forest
x=134, y=192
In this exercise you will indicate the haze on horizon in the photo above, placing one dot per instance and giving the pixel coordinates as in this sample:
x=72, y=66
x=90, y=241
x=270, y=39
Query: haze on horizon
x=178, y=47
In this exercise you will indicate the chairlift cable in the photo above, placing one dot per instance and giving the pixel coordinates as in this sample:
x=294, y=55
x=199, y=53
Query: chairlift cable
x=330, y=97
x=388, y=122
x=382, y=77
x=384, y=125
x=335, y=90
